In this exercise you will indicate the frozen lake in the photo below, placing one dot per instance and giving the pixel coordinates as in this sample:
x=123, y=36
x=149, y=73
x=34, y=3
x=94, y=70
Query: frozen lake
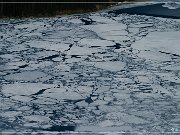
x=106, y=72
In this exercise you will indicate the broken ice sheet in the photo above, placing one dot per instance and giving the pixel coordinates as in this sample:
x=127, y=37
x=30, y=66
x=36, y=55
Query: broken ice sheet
x=115, y=32
x=111, y=65
x=50, y=45
x=167, y=42
x=26, y=76
x=76, y=50
x=99, y=71
x=95, y=42
x=24, y=88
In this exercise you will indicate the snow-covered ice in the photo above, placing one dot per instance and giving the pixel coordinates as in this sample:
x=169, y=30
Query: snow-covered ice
x=96, y=72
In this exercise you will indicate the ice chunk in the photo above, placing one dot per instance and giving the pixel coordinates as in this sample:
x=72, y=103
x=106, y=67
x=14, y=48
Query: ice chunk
x=110, y=31
x=160, y=41
x=96, y=42
x=49, y=45
x=110, y=65
x=25, y=76
x=24, y=88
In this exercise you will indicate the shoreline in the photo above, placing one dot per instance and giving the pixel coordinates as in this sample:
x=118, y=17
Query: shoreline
x=89, y=7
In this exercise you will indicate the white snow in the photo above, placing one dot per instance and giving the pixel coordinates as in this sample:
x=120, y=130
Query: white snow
x=154, y=55
x=160, y=41
x=111, y=65
x=76, y=50
x=172, y=5
x=26, y=76
x=50, y=67
x=61, y=94
x=75, y=21
x=37, y=118
x=95, y=42
x=100, y=19
x=49, y=45
x=62, y=67
x=109, y=31
x=24, y=88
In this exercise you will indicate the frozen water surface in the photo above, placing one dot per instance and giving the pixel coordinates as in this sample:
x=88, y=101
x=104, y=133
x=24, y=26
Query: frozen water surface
x=94, y=72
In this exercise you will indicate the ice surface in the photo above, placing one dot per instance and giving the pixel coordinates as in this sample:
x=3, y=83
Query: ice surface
x=49, y=45
x=167, y=42
x=25, y=76
x=109, y=31
x=95, y=42
x=111, y=66
x=76, y=50
x=172, y=5
x=95, y=72
x=24, y=88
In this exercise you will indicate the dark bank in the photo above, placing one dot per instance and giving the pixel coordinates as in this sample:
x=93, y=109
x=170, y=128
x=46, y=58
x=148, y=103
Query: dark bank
x=37, y=8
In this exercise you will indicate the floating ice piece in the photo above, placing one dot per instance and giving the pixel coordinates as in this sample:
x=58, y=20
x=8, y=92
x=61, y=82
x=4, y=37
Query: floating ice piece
x=99, y=129
x=141, y=24
x=38, y=65
x=109, y=31
x=29, y=25
x=173, y=67
x=75, y=21
x=7, y=56
x=169, y=76
x=61, y=94
x=18, y=48
x=167, y=42
x=21, y=98
x=172, y=5
x=62, y=67
x=10, y=114
x=127, y=118
x=37, y=118
x=108, y=108
x=96, y=42
x=25, y=76
x=154, y=56
x=76, y=50
x=85, y=90
x=101, y=19
x=110, y=65
x=25, y=89
x=49, y=45
x=7, y=67
x=106, y=123
x=18, y=63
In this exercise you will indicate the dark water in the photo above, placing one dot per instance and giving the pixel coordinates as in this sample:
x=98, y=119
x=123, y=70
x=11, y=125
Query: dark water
x=61, y=128
x=156, y=10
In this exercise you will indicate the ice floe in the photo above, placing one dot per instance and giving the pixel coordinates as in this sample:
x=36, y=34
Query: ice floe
x=90, y=72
